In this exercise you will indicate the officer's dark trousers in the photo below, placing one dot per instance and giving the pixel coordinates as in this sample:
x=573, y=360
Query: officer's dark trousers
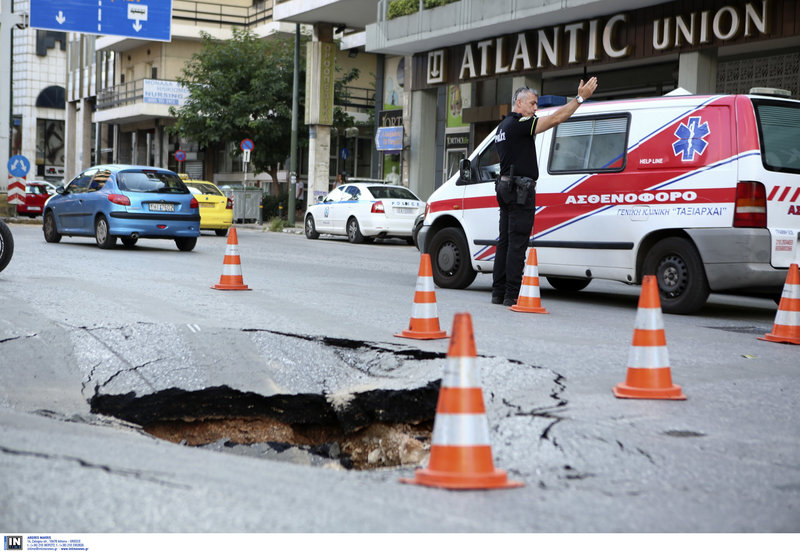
x=516, y=223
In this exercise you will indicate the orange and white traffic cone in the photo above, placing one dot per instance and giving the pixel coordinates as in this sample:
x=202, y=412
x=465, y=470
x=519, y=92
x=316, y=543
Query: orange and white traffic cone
x=461, y=454
x=231, y=266
x=424, y=323
x=786, y=328
x=529, y=299
x=649, y=375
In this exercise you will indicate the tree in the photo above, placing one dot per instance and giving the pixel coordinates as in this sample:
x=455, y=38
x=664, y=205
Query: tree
x=241, y=88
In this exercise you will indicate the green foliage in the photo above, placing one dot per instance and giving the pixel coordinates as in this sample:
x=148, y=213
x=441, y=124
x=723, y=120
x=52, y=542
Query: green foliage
x=241, y=88
x=398, y=8
x=276, y=224
x=271, y=205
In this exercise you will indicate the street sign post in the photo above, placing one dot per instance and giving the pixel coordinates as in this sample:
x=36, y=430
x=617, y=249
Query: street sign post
x=145, y=19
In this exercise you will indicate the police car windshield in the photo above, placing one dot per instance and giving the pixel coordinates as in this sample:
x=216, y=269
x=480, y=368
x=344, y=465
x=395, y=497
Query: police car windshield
x=389, y=192
x=779, y=131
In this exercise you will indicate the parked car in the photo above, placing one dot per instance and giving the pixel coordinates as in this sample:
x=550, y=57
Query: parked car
x=124, y=201
x=216, y=209
x=364, y=210
x=6, y=245
x=35, y=195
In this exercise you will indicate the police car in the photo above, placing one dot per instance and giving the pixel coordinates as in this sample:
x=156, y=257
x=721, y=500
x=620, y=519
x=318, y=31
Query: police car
x=702, y=191
x=364, y=210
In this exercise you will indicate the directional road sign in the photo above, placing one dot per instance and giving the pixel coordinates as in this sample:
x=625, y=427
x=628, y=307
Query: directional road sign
x=144, y=19
x=389, y=138
x=19, y=166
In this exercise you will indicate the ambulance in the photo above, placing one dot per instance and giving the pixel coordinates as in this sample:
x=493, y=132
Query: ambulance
x=702, y=191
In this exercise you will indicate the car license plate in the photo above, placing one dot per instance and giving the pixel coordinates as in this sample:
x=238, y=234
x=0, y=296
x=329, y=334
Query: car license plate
x=35, y=208
x=164, y=207
x=404, y=210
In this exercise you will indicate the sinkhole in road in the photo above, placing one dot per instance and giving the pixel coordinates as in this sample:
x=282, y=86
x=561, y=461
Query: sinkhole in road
x=333, y=402
x=311, y=400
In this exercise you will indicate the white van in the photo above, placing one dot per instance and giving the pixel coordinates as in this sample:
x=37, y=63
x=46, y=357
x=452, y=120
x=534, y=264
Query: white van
x=703, y=191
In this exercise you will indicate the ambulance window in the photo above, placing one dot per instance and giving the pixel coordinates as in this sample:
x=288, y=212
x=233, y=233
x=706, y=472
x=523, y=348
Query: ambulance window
x=779, y=131
x=589, y=145
x=489, y=163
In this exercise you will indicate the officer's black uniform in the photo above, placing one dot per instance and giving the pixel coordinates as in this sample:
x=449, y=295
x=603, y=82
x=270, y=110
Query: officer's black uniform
x=516, y=195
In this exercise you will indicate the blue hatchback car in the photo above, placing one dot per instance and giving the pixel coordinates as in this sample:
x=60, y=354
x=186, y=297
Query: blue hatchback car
x=123, y=201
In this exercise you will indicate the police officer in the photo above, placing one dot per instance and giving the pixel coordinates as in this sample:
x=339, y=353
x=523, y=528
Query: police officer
x=516, y=185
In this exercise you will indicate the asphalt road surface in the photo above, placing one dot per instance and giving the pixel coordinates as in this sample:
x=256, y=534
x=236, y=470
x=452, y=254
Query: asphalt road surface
x=143, y=329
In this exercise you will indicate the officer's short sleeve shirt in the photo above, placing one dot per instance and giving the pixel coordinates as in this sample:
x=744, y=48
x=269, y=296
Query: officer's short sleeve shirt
x=515, y=145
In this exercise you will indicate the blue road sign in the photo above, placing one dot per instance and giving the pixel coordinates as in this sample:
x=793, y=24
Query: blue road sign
x=19, y=166
x=247, y=144
x=180, y=155
x=389, y=138
x=144, y=19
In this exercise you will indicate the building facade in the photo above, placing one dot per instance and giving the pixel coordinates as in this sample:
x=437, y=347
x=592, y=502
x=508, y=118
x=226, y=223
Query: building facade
x=119, y=91
x=464, y=59
x=37, y=106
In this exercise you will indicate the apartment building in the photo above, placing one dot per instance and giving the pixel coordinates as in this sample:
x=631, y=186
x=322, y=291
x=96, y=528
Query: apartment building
x=119, y=91
x=37, y=107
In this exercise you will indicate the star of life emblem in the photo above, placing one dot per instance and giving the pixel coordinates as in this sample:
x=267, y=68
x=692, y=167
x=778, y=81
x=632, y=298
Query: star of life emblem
x=691, y=139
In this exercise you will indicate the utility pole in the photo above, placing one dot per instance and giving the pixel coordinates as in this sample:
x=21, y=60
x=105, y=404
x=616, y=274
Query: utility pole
x=293, y=155
x=8, y=20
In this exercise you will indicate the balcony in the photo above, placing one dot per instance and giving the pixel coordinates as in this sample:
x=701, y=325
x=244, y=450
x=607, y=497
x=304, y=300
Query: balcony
x=138, y=100
x=190, y=17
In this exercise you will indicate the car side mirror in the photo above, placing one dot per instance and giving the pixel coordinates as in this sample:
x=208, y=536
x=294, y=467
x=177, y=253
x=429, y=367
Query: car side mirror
x=465, y=171
x=61, y=190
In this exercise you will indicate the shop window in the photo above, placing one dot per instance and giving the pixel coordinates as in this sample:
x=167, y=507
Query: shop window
x=590, y=144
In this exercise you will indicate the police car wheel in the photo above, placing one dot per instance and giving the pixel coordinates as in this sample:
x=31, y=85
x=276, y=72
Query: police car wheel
x=354, y=234
x=311, y=228
x=682, y=282
x=6, y=245
x=450, y=259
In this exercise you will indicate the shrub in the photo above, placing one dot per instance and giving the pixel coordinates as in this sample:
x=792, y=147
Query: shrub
x=276, y=224
x=398, y=8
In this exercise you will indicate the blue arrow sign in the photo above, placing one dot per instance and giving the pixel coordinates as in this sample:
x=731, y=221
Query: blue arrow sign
x=143, y=19
x=19, y=166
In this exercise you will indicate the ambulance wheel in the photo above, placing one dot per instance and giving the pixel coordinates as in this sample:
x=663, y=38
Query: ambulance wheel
x=450, y=259
x=568, y=285
x=682, y=282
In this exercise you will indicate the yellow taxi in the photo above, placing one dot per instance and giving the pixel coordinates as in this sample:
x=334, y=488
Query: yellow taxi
x=216, y=209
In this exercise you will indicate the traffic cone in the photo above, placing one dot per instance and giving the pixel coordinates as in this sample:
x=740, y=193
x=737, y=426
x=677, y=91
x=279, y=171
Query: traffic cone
x=529, y=299
x=787, y=320
x=649, y=375
x=424, y=322
x=461, y=454
x=231, y=266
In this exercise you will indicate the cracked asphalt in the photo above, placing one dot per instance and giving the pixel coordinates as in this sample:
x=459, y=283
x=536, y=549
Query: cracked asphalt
x=141, y=328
